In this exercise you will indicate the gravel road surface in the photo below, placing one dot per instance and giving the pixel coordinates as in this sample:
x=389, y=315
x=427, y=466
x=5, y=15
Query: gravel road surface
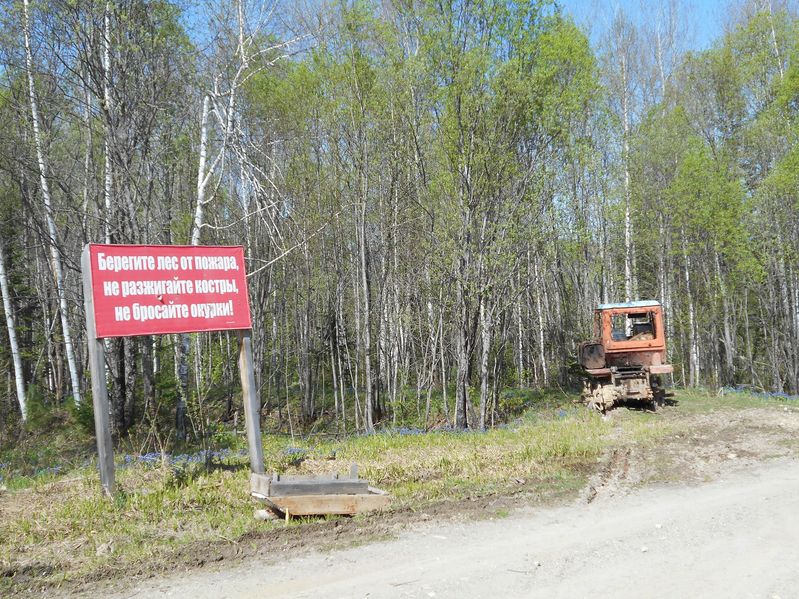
x=737, y=536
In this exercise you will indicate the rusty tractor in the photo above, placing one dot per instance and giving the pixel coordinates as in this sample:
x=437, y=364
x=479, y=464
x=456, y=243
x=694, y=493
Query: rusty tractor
x=625, y=362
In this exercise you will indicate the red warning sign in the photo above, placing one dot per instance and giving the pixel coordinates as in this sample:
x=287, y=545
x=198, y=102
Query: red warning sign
x=156, y=289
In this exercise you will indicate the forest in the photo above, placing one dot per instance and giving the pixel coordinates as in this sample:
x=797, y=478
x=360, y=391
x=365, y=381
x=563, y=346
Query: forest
x=433, y=197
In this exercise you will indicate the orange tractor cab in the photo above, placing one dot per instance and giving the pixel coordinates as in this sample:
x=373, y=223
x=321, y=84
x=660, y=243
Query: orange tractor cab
x=626, y=361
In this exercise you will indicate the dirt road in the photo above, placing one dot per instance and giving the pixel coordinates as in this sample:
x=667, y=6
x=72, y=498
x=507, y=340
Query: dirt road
x=737, y=536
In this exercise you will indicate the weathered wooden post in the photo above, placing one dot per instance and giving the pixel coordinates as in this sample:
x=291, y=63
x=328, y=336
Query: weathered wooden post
x=132, y=290
x=252, y=405
x=102, y=423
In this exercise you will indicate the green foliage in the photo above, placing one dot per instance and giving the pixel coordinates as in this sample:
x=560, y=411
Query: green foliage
x=42, y=414
x=708, y=202
x=782, y=183
x=84, y=415
x=563, y=83
x=512, y=402
x=788, y=92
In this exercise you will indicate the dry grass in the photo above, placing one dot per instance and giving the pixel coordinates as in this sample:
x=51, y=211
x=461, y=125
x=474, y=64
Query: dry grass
x=66, y=529
x=61, y=528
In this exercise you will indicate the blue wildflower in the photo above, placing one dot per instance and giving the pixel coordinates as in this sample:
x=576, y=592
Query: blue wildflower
x=295, y=451
x=409, y=431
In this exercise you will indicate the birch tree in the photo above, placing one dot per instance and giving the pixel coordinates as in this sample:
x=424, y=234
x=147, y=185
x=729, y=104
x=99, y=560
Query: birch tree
x=52, y=232
x=11, y=327
x=621, y=59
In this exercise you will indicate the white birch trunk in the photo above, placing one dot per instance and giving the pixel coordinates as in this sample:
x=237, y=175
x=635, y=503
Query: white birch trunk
x=87, y=158
x=355, y=373
x=444, y=399
x=728, y=336
x=485, y=341
x=367, y=333
x=183, y=341
x=109, y=174
x=693, y=356
x=55, y=256
x=774, y=41
x=202, y=180
x=628, y=228
x=665, y=297
x=12, y=339
x=541, y=355
x=520, y=330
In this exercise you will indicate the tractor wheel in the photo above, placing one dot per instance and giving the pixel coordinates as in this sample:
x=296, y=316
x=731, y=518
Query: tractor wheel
x=658, y=394
x=595, y=407
x=593, y=397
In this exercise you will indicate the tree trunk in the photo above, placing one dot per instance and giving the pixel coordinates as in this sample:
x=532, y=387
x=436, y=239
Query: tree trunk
x=539, y=283
x=485, y=338
x=628, y=225
x=55, y=255
x=367, y=321
x=462, y=353
x=693, y=355
x=182, y=346
x=148, y=372
x=109, y=174
x=131, y=373
x=116, y=349
x=728, y=336
x=19, y=376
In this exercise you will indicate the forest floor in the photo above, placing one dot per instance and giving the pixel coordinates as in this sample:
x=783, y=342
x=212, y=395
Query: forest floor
x=189, y=534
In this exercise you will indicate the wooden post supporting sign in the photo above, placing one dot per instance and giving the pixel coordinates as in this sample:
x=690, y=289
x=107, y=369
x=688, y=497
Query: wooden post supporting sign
x=102, y=409
x=252, y=405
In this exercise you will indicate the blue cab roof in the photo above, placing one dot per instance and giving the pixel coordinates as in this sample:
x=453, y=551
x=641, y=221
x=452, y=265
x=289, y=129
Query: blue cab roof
x=638, y=304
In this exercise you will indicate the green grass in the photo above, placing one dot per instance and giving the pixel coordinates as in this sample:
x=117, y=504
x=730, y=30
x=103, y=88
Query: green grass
x=705, y=400
x=455, y=465
x=43, y=451
x=64, y=522
x=59, y=522
x=643, y=428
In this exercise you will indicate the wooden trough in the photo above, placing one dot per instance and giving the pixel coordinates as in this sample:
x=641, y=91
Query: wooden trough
x=318, y=495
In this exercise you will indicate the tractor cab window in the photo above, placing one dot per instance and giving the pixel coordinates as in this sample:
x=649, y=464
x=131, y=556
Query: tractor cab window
x=638, y=326
x=618, y=323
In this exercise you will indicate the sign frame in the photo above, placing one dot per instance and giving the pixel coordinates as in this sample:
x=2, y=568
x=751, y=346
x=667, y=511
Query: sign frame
x=102, y=407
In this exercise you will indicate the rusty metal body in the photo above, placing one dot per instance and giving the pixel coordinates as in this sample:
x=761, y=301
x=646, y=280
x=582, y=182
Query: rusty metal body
x=626, y=360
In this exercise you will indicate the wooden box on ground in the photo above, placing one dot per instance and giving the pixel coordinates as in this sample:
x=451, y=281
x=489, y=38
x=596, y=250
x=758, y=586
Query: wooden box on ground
x=318, y=495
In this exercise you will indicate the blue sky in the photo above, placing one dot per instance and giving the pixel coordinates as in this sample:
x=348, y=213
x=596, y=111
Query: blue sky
x=704, y=19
